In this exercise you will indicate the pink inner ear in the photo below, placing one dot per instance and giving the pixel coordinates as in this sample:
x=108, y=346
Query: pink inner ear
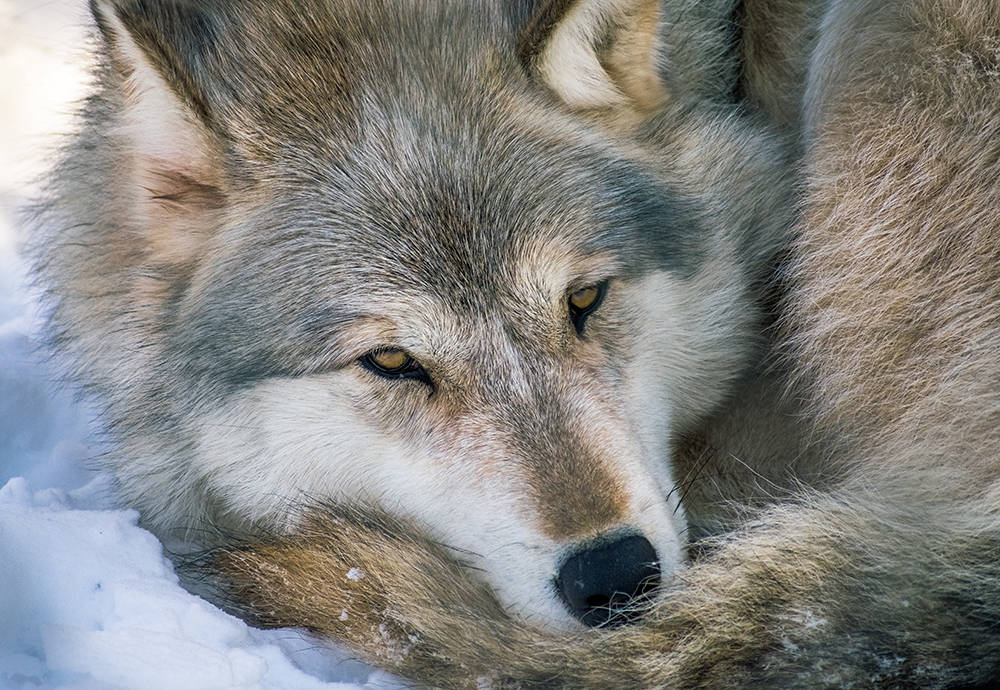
x=160, y=130
x=174, y=148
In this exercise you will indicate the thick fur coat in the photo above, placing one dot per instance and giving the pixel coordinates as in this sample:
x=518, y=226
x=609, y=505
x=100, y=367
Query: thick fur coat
x=785, y=212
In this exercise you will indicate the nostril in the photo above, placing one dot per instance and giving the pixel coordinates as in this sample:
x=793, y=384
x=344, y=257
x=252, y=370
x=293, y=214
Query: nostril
x=606, y=584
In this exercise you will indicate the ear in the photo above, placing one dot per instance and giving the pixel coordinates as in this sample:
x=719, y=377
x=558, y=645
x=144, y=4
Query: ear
x=597, y=53
x=164, y=122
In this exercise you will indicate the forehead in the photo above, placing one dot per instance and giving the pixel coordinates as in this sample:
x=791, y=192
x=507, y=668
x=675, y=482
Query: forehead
x=465, y=210
x=442, y=167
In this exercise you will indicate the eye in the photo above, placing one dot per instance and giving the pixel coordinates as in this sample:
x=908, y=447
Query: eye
x=393, y=363
x=584, y=301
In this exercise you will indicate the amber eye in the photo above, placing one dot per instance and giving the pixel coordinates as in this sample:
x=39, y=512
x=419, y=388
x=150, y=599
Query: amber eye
x=584, y=301
x=393, y=363
x=390, y=360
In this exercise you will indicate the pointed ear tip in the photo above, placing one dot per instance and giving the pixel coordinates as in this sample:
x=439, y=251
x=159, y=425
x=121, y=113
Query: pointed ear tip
x=539, y=28
x=597, y=53
x=106, y=17
x=101, y=9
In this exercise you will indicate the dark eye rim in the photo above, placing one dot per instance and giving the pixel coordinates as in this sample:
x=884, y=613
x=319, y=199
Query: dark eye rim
x=579, y=316
x=411, y=370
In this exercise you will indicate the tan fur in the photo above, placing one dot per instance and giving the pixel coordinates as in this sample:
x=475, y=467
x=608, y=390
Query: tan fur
x=890, y=578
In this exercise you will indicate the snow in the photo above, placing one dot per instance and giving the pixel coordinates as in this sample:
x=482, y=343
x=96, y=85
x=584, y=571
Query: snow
x=87, y=600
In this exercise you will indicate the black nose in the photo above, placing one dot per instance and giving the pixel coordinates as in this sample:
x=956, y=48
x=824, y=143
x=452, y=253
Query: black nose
x=607, y=584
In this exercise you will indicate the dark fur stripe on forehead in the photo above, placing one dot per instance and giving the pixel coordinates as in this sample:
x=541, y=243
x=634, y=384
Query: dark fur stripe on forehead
x=462, y=230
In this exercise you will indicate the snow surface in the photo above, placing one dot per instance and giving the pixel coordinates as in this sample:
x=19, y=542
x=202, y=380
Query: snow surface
x=87, y=600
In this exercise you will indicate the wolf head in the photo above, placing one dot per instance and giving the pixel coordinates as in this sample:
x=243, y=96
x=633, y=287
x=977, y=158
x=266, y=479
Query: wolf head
x=471, y=262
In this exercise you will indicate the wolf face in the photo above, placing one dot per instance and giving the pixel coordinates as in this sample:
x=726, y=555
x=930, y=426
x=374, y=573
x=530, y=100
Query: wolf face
x=487, y=373
x=427, y=257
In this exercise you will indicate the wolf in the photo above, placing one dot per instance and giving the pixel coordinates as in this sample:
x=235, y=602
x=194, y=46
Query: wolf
x=454, y=329
x=385, y=254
